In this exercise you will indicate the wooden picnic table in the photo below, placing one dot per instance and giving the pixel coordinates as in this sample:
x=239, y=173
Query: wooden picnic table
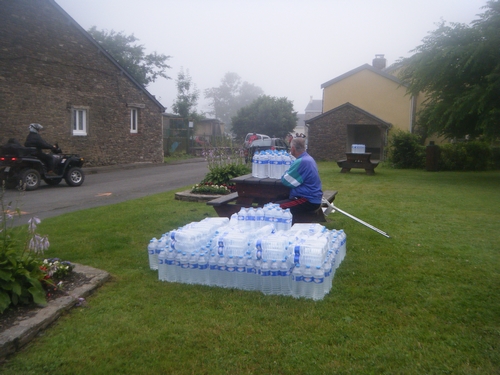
x=256, y=192
x=358, y=160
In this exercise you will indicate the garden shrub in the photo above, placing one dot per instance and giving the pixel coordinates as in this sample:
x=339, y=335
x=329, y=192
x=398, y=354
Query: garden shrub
x=224, y=163
x=20, y=273
x=495, y=157
x=406, y=151
x=466, y=156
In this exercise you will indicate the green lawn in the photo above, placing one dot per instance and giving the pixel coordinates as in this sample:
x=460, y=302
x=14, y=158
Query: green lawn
x=425, y=301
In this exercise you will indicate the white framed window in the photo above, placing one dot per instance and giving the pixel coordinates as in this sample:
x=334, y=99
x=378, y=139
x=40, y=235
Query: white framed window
x=79, y=121
x=134, y=116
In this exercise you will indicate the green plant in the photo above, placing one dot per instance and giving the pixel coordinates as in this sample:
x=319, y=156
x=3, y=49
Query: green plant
x=20, y=273
x=224, y=163
x=466, y=156
x=56, y=268
x=209, y=188
x=405, y=150
x=421, y=302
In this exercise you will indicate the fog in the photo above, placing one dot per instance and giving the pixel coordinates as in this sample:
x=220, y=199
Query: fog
x=286, y=47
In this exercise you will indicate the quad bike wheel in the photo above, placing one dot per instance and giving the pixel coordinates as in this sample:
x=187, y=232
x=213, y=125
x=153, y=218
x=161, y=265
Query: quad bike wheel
x=30, y=179
x=74, y=177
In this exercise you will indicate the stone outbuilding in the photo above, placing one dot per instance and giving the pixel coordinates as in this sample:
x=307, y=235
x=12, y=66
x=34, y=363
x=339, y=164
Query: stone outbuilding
x=54, y=73
x=332, y=133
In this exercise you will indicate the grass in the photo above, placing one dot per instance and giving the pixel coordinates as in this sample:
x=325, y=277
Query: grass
x=422, y=302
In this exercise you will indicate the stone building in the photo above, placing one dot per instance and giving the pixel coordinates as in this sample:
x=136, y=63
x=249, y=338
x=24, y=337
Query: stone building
x=54, y=73
x=360, y=106
x=332, y=131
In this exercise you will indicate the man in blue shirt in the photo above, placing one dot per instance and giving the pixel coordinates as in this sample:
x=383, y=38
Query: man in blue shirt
x=303, y=179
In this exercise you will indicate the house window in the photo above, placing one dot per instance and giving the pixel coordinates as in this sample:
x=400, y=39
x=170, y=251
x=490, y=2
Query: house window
x=79, y=121
x=134, y=115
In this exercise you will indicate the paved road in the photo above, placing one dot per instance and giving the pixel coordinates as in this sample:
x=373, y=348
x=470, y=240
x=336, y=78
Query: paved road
x=107, y=185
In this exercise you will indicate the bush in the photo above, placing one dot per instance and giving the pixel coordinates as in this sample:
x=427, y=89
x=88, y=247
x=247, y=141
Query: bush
x=20, y=273
x=224, y=163
x=405, y=150
x=466, y=156
x=495, y=157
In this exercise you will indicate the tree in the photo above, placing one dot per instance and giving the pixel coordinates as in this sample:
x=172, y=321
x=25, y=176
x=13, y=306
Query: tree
x=187, y=98
x=267, y=115
x=144, y=68
x=230, y=96
x=458, y=69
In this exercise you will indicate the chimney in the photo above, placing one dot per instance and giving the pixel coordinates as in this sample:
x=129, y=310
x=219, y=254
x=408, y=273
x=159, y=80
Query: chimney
x=379, y=62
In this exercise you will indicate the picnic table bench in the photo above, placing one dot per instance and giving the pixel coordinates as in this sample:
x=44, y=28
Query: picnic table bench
x=256, y=192
x=358, y=160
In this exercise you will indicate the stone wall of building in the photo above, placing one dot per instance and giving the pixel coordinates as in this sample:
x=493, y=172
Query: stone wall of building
x=48, y=67
x=328, y=138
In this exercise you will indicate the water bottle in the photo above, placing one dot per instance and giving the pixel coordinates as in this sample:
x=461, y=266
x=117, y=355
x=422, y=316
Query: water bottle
x=230, y=272
x=240, y=273
x=193, y=277
x=250, y=274
x=177, y=264
x=318, y=283
x=262, y=165
x=203, y=269
x=280, y=162
x=170, y=265
x=213, y=270
x=343, y=240
x=284, y=276
x=221, y=272
x=268, y=215
x=234, y=219
x=265, y=277
x=153, y=262
x=161, y=244
x=250, y=218
x=275, y=278
x=278, y=218
x=255, y=165
x=327, y=269
x=296, y=282
x=183, y=269
x=307, y=283
x=241, y=218
x=162, y=266
x=259, y=218
x=287, y=218
x=258, y=272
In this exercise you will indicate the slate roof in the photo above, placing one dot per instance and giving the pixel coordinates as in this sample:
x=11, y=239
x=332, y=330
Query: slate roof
x=375, y=118
x=359, y=69
x=105, y=53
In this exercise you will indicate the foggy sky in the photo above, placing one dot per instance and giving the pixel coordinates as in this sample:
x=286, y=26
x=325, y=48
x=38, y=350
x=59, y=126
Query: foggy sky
x=286, y=47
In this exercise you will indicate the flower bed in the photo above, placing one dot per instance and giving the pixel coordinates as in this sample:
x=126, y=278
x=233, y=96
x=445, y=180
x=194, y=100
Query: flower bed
x=211, y=188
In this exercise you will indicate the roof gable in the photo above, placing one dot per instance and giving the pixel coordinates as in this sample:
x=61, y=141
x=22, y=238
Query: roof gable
x=314, y=106
x=105, y=53
x=359, y=69
x=351, y=106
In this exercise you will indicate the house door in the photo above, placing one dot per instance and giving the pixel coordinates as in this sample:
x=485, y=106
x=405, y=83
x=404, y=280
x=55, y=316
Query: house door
x=369, y=135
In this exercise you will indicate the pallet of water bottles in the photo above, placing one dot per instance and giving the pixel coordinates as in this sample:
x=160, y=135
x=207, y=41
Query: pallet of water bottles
x=271, y=163
x=298, y=261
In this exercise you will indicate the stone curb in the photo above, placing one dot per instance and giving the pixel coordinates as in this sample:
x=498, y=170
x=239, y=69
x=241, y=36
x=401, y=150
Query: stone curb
x=16, y=337
x=187, y=196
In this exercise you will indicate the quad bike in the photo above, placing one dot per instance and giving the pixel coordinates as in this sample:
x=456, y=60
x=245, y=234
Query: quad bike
x=21, y=168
